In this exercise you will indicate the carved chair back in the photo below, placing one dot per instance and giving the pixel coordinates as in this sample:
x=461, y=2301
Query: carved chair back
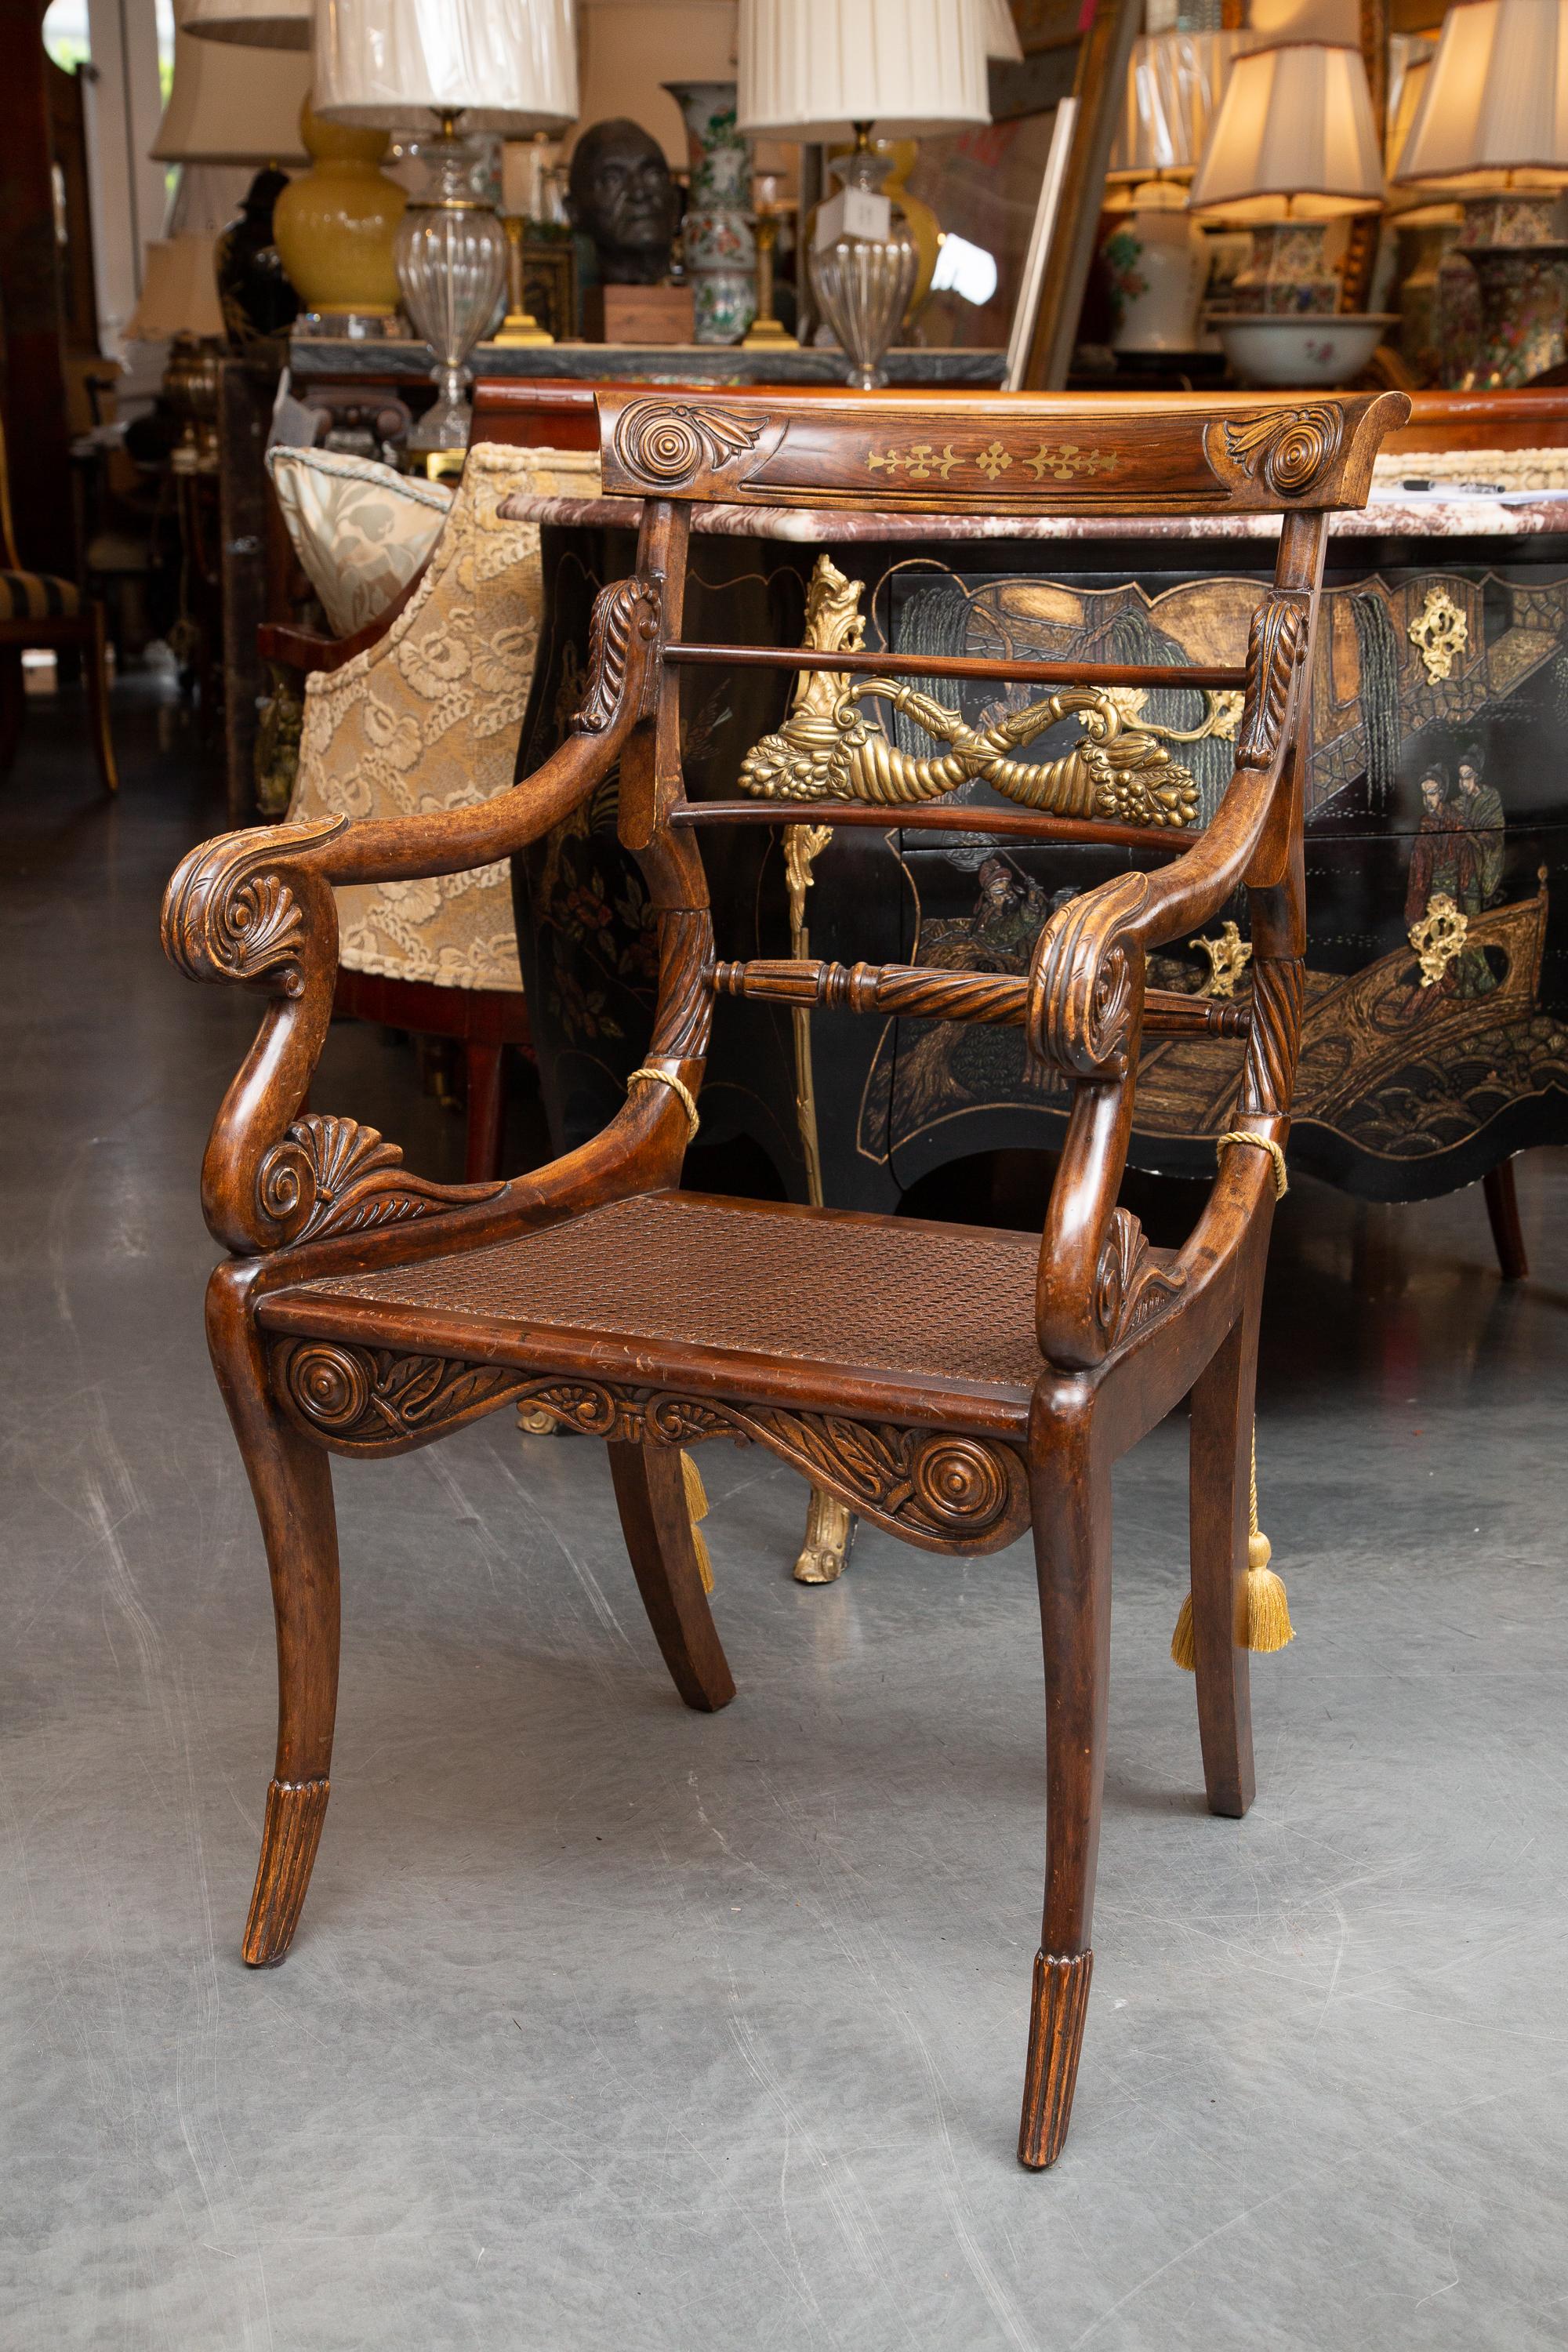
x=1084, y=1006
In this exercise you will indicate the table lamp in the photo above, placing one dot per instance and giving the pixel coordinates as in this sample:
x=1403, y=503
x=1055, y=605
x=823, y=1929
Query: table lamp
x=1294, y=145
x=1155, y=256
x=417, y=65
x=1492, y=129
x=826, y=69
x=179, y=305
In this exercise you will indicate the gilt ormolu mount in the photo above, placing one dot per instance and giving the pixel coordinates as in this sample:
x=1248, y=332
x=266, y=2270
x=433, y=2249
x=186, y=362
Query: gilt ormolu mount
x=954, y=1384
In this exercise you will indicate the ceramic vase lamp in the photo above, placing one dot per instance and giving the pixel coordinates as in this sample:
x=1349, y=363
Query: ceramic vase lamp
x=467, y=66
x=1155, y=256
x=1293, y=146
x=1491, y=129
x=829, y=69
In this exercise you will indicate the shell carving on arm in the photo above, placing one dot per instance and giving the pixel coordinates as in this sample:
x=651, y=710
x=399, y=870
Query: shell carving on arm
x=1086, y=980
x=227, y=917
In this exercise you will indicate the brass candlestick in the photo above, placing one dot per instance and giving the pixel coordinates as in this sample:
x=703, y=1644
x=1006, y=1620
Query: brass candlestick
x=519, y=325
x=765, y=332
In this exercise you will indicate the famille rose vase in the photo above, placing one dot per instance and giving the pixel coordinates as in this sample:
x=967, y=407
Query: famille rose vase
x=721, y=251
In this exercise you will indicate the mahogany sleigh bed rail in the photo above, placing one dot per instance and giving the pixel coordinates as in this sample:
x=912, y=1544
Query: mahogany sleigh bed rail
x=955, y=1385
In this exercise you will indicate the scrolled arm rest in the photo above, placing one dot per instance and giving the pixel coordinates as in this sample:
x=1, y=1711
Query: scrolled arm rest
x=1086, y=974
x=257, y=907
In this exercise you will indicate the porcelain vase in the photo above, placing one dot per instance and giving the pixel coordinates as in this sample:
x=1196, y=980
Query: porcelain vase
x=721, y=251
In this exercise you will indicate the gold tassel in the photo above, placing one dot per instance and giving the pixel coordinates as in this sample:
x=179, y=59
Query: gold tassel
x=697, y=1509
x=1268, y=1625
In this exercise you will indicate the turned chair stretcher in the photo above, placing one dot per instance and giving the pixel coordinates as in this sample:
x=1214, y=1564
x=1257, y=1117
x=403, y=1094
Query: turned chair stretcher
x=955, y=1386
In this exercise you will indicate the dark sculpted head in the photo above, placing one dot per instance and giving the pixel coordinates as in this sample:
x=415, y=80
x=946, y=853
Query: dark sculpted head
x=621, y=195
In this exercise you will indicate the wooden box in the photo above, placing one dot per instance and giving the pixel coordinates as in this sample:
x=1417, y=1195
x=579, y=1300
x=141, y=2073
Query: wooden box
x=638, y=314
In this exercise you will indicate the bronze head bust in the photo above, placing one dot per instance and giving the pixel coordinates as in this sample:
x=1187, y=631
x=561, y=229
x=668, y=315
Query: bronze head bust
x=621, y=194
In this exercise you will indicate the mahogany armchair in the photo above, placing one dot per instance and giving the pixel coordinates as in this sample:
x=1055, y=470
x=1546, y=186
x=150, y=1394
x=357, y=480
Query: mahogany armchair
x=956, y=1386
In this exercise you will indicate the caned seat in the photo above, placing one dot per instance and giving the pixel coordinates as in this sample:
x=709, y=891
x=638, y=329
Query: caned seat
x=783, y=1299
x=955, y=1386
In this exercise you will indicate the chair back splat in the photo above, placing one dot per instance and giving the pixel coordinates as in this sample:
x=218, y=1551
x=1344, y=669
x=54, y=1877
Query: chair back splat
x=953, y=1385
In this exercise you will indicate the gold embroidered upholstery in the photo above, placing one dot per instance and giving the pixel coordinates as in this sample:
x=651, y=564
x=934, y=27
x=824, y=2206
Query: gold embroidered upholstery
x=429, y=717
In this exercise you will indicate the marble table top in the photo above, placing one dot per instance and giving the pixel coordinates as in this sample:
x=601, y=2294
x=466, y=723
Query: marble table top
x=1385, y=518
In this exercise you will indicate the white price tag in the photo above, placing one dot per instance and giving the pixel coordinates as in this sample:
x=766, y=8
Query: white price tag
x=854, y=212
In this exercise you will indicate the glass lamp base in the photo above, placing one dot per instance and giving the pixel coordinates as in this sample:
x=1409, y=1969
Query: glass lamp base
x=448, y=423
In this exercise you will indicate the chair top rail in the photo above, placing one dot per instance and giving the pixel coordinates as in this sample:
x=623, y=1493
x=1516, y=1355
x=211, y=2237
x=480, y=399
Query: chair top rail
x=686, y=656
x=996, y=454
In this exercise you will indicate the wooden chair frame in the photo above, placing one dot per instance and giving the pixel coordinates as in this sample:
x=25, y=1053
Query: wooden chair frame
x=325, y=1330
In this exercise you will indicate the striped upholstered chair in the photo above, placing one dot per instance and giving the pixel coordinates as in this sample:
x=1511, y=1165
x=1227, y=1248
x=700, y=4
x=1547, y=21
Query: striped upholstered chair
x=38, y=610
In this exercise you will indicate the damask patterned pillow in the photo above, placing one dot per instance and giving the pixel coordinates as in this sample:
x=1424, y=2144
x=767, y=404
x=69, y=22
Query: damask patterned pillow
x=360, y=529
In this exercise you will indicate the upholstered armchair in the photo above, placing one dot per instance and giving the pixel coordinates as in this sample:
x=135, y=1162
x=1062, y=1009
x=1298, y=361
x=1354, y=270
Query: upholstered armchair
x=418, y=712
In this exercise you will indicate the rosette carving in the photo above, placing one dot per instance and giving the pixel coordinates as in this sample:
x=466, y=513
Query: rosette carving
x=379, y=1400
x=228, y=912
x=334, y=1176
x=666, y=442
x=1275, y=644
x=1086, y=980
x=625, y=617
x=1290, y=449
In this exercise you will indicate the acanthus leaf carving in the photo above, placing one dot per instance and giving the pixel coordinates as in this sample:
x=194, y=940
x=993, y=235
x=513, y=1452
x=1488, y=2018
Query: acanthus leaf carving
x=625, y=614
x=331, y=1176
x=1291, y=448
x=1276, y=643
x=946, y=1491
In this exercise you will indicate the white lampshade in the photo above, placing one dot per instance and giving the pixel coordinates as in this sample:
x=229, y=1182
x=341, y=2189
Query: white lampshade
x=813, y=69
x=1495, y=98
x=179, y=291
x=1295, y=135
x=252, y=24
x=230, y=106
x=1174, y=84
x=1001, y=32
x=503, y=65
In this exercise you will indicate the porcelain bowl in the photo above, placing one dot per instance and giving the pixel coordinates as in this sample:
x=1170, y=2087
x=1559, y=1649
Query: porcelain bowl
x=1307, y=352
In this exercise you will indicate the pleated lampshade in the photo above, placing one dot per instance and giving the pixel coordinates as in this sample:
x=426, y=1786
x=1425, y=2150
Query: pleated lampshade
x=502, y=65
x=252, y=24
x=1496, y=95
x=813, y=69
x=1294, y=134
x=1174, y=85
x=229, y=107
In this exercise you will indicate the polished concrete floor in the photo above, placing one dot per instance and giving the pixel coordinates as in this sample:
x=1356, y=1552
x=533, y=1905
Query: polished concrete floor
x=611, y=2025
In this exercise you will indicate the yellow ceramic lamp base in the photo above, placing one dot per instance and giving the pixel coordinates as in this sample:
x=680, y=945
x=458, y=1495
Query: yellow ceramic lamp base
x=333, y=226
